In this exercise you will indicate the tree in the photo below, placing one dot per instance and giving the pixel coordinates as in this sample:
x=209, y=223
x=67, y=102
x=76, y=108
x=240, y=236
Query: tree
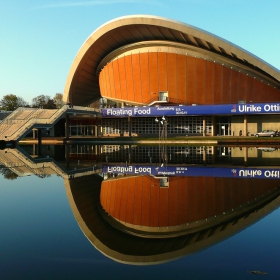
x=8, y=174
x=95, y=104
x=10, y=102
x=58, y=100
x=43, y=101
x=50, y=104
x=39, y=101
x=22, y=102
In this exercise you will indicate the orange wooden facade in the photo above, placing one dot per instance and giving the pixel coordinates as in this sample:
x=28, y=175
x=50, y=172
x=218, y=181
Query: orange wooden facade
x=140, y=77
x=140, y=200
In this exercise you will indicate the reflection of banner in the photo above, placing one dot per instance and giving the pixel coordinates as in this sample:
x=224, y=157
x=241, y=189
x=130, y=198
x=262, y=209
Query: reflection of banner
x=221, y=172
x=232, y=109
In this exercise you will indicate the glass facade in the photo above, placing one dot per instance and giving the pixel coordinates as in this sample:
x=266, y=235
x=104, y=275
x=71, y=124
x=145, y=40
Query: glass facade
x=147, y=126
x=115, y=126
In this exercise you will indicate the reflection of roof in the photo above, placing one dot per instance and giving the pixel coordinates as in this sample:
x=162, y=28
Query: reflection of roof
x=82, y=85
x=84, y=199
x=140, y=206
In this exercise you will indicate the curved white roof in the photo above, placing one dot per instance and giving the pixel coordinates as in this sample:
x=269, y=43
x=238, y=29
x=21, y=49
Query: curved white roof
x=82, y=85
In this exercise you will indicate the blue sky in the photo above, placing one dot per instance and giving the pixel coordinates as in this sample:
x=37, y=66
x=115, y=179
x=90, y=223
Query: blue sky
x=40, y=38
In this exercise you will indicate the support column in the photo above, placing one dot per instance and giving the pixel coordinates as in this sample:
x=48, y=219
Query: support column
x=99, y=129
x=39, y=141
x=96, y=127
x=67, y=157
x=245, y=149
x=129, y=126
x=129, y=154
x=204, y=155
x=100, y=150
x=213, y=155
x=96, y=130
x=34, y=133
x=204, y=126
x=34, y=150
x=67, y=122
x=213, y=126
x=245, y=125
x=96, y=153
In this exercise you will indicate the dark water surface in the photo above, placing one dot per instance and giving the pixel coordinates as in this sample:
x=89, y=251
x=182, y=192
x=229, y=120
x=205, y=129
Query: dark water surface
x=182, y=226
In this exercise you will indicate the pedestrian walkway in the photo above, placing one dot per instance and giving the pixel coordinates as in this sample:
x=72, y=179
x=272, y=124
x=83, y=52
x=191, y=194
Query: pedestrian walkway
x=21, y=122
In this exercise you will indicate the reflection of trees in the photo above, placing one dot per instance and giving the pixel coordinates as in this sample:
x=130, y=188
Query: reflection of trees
x=8, y=174
x=43, y=175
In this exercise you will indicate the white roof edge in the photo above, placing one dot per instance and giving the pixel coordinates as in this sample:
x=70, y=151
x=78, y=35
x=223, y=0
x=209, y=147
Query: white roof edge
x=179, y=26
x=191, y=27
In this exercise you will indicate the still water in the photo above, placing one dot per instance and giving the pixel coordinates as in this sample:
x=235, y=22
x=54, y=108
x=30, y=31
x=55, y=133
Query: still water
x=139, y=212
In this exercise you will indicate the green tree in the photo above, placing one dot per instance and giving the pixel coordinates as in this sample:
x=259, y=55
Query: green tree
x=10, y=102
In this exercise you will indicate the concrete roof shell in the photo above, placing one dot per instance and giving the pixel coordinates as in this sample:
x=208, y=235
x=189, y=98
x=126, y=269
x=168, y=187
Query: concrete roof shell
x=82, y=85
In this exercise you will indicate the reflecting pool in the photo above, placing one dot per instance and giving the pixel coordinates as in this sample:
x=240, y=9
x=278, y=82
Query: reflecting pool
x=139, y=212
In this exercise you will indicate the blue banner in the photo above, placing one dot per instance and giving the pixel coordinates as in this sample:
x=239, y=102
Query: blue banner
x=194, y=171
x=198, y=110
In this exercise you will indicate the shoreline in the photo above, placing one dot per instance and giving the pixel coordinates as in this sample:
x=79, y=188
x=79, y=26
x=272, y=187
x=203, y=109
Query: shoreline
x=207, y=140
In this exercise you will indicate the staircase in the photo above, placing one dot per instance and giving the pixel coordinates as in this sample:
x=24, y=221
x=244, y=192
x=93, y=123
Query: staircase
x=23, y=120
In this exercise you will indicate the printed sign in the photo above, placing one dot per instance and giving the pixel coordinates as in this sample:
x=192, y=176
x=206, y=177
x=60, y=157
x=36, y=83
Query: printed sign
x=198, y=110
x=194, y=171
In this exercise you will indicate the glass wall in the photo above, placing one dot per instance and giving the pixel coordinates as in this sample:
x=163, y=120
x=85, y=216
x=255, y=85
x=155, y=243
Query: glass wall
x=144, y=126
x=175, y=125
x=117, y=127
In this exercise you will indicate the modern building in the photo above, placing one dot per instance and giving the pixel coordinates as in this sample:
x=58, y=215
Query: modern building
x=203, y=83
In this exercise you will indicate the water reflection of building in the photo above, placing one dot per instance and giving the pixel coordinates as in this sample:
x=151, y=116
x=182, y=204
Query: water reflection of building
x=151, y=154
x=22, y=163
x=144, y=220
x=177, y=154
x=151, y=219
x=264, y=155
x=69, y=159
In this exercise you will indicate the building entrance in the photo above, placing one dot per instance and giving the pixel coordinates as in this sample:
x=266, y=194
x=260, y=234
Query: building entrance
x=223, y=126
x=225, y=129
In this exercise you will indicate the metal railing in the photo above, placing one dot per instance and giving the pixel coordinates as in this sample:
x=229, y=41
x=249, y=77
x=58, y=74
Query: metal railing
x=155, y=98
x=37, y=121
